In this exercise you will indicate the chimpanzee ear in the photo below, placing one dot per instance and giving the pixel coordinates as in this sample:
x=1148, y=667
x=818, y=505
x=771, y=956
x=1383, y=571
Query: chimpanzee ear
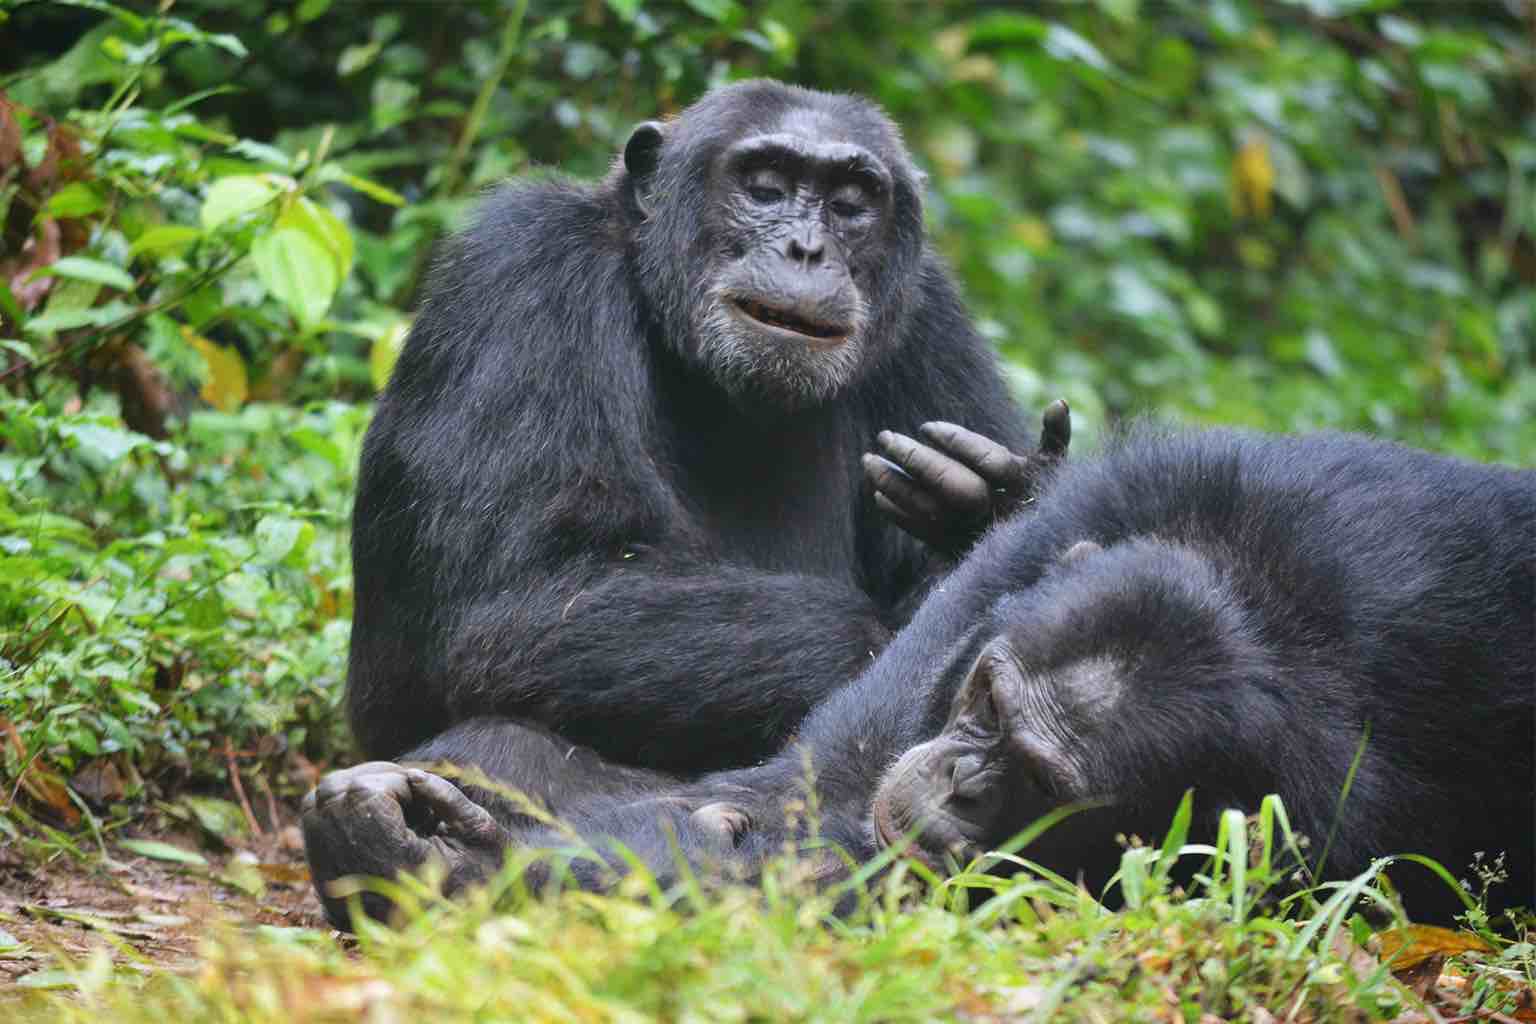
x=721, y=823
x=1079, y=551
x=642, y=154
x=991, y=696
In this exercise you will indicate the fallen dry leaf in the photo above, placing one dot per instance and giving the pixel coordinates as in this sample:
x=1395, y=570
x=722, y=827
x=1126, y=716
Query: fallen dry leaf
x=1412, y=944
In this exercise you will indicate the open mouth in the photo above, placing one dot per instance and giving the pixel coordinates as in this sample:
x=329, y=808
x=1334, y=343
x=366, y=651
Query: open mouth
x=786, y=321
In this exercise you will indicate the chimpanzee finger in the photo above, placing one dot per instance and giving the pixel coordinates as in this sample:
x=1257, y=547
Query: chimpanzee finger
x=1056, y=429
x=891, y=482
x=925, y=532
x=382, y=778
x=993, y=462
x=951, y=481
x=457, y=814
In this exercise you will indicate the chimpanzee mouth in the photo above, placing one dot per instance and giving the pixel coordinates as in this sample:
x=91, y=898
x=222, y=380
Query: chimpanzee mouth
x=783, y=320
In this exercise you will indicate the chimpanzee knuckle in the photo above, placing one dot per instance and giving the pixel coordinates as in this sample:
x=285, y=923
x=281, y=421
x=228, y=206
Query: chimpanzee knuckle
x=900, y=449
x=995, y=463
x=946, y=435
x=964, y=490
x=877, y=470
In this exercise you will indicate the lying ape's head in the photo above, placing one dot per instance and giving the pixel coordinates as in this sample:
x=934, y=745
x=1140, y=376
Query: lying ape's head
x=1122, y=678
x=777, y=234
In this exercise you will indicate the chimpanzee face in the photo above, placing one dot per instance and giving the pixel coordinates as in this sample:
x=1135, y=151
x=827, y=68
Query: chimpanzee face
x=1019, y=742
x=793, y=217
x=1123, y=677
x=790, y=246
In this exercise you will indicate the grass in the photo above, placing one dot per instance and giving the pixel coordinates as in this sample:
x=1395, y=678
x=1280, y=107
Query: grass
x=1236, y=941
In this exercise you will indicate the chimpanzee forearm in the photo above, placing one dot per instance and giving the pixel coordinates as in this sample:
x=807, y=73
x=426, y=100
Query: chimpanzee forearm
x=679, y=671
x=848, y=739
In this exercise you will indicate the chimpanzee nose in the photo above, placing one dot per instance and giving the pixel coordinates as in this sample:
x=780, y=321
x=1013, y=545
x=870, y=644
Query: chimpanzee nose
x=807, y=251
x=965, y=776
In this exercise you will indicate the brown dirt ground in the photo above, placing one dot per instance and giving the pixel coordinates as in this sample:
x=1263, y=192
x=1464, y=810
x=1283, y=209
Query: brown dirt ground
x=148, y=913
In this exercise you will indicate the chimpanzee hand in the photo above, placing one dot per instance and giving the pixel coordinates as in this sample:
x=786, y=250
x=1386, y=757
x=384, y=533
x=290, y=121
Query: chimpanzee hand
x=949, y=490
x=380, y=818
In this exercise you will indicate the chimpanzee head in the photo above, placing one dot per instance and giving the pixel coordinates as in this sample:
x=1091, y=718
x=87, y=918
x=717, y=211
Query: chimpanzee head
x=1122, y=678
x=777, y=235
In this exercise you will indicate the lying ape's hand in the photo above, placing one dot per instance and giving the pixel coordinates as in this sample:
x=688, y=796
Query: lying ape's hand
x=949, y=490
x=380, y=818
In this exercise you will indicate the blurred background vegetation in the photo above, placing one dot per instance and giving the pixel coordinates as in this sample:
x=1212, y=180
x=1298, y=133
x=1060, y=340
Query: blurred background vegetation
x=215, y=216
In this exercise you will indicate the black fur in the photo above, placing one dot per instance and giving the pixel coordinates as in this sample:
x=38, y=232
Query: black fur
x=1264, y=600
x=586, y=503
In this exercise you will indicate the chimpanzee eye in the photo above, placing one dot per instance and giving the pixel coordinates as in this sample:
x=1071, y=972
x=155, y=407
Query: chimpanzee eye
x=765, y=187
x=843, y=208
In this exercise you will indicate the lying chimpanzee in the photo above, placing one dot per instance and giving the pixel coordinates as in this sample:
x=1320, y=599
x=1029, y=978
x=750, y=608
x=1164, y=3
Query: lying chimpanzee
x=1218, y=610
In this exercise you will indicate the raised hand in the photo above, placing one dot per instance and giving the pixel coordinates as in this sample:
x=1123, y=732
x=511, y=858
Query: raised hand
x=951, y=485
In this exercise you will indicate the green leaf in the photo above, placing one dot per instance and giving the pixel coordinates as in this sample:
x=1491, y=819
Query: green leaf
x=625, y=9
x=276, y=537
x=81, y=269
x=262, y=153
x=373, y=190
x=1064, y=44
x=392, y=100
x=356, y=57
x=386, y=352
x=236, y=195
x=197, y=97
x=49, y=979
x=297, y=271
x=324, y=227
x=108, y=443
x=156, y=850
x=715, y=10
x=68, y=319
x=309, y=10
x=164, y=238
x=76, y=199
x=1006, y=29
x=8, y=304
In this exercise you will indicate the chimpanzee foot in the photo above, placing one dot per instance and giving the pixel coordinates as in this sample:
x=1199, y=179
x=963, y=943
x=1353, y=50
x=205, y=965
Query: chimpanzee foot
x=379, y=819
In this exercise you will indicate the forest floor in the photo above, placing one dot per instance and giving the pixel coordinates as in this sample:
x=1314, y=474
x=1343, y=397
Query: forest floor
x=147, y=907
x=197, y=909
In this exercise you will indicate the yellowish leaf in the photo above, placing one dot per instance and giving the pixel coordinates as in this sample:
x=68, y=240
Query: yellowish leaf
x=1253, y=178
x=1408, y=946
x=227, y=386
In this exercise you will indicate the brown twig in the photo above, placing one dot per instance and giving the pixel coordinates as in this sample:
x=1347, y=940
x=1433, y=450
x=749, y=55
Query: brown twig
x=273, y=821
x=234, y=778
x=1397, y=203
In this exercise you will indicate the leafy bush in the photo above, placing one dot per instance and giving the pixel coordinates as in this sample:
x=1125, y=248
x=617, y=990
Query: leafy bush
x=171, y=605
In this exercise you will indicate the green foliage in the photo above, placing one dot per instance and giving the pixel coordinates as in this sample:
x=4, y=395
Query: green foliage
x=164, y=600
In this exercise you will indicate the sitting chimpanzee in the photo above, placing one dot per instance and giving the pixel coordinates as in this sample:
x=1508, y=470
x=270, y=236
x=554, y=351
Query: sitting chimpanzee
x=1214, y=610
x=617, y=493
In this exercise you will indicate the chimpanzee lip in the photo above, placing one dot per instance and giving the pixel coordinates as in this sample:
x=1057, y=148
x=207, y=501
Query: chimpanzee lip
x=784, y=320
x=888, y=834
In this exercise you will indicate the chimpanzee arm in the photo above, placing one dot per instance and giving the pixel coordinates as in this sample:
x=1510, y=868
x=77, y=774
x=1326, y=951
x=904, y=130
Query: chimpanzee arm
x=677, y=668
x=846, y=741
